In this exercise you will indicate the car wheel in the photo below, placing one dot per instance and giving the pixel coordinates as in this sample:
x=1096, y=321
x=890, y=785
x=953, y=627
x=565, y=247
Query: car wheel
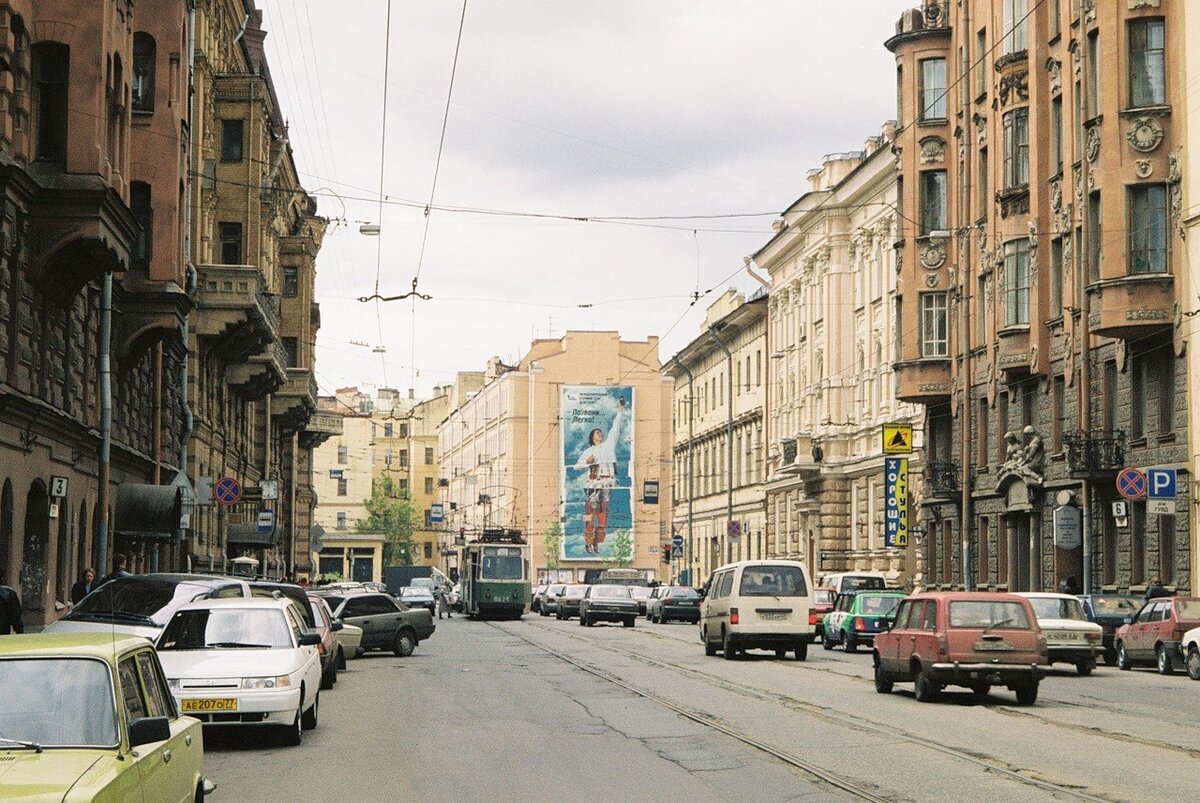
x=341, y=658
x=292, y=735
x=358, y=652
x=1085, y=666
x=198, y=797
x=1163, y=659
x=728, y=648
x=1027, y=694
x=629, y=622
x=801, y=650
x=406, y=642
x=328, y=676
x=826, y=642
x=558, y=615
x=709, y=647
x=883, y=683
x=779, y=652
x=848, y=643
x=926, y=687
x=1123, y=661
x=310, y=718
x=980, y=692
x=1193, y=663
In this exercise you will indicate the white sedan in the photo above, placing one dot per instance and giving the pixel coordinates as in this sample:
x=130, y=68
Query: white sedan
x=244, y=662
x=1190, y=647
x=1070, y=637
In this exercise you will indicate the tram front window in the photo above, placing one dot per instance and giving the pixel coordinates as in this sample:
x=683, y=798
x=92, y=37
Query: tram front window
x=500, y=565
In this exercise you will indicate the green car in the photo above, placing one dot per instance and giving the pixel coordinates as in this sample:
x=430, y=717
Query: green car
x=857, y=616
x=89, y=716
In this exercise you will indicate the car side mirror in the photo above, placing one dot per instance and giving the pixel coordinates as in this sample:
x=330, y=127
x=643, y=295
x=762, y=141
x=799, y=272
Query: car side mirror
x=1128, y=620
x=337, y=625
x=310, y=638
x=148, y=730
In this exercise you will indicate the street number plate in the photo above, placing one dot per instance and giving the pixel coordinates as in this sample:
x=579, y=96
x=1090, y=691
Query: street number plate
x=993, y=646
x=774, y=617
x=223, y=704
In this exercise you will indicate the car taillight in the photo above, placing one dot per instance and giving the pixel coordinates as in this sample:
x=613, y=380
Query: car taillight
x=859, y=624
x=942, y=646
x=733, y=616
x=813, y=616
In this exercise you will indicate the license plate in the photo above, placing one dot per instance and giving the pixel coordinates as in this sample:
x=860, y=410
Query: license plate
x=223, y=704
x=1068, y=636
x=993, y=646
x=773, y=617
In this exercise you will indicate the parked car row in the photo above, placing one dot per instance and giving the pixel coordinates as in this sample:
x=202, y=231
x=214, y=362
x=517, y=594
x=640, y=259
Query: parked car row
x=143, y=662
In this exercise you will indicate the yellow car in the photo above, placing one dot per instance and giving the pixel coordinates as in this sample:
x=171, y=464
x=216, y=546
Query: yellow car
x=89, y=716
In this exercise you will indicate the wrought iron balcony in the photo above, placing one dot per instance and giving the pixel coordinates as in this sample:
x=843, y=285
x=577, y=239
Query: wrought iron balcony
x=1094, y=452
x=941, y=479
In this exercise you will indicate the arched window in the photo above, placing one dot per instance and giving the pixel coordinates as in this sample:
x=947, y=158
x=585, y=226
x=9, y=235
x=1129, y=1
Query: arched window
x=143, y=72
x=51, y=68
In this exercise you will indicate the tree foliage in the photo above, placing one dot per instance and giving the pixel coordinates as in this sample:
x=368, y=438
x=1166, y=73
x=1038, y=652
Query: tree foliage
x=389, y=513
x=621, y=556
x=552, y=541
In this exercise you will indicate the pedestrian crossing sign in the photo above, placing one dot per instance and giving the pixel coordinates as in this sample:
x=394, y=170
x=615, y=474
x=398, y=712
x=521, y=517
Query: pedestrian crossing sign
x=897, y=438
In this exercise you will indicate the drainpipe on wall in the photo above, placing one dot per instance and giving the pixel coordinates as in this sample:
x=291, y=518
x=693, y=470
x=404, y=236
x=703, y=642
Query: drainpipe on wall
x=964, y=323
x=691, y=483
x=190, y=282
x=105, y=469
x=729, y=440
x=157, y=437
x=1082, y=257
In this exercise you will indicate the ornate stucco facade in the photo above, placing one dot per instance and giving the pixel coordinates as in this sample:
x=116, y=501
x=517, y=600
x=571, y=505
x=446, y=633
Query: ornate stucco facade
x=831, y=384
x=1055, y=199
x=719, y=402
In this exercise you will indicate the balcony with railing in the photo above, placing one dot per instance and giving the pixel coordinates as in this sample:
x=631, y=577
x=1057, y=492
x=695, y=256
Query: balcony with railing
x=320, y=428
x=1094, y=452
x=233, y=310
x=296, y=401
x=263, y=373
x=941, y=480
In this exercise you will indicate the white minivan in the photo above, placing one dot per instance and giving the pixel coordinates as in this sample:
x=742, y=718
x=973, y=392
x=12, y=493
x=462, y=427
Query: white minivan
x=758, y=604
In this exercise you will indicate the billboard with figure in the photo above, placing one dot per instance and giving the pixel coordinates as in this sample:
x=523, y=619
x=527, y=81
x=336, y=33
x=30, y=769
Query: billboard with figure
x=597, y=481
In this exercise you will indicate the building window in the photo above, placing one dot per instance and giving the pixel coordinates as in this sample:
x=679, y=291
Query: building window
x=341, y=521
x=981, y=61
x=233, y=136
x=947, y=552
x=403, y=486
x=933, y=89
x=1137, y=544
x=933, y=202
x=1108, y=409
x=1056, y=134
x=343, y=455
x=1094, y=234
x=429, y=455
x=428, y=550
x=1001, y=427
x=935, y=341
x=1060, y=412
x=291, y=351
x=143, y=72
x=981, y=182
x=1093, y=74
x=983, y=570
x=1015, y=26
x=387, y=430
x=1148, y=227
x=981, y=310
x=1166, y=549
x=1016, y=282
x=981, y=423
x=429, y=485
x=1056, y=277
x=1147, y=64
x=898, y=332
x=341, y=486
x=1055, y=14
x=404, y=457
x=230, y=236
x=143, y=212
x=404, y=430
x=1165, y=378
x=899, y=95
x=51, y=67
x=291, y=281
x=1029, y=393
x=1016, y=149
x=1139, y=395
x=1108, y=549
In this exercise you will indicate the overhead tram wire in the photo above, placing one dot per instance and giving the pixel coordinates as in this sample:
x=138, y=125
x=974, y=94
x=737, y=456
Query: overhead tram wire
x=387, y=52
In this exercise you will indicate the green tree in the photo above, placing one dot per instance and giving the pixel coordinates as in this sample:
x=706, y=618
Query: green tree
x=552, y=541
x=389, y=512
x=621, y=555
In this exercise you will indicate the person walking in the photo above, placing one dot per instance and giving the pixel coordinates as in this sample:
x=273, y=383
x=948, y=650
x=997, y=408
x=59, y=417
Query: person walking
x=443, y=602
x=1156, y=589
x=84, y=585
x=117, y=572
x=10, y=611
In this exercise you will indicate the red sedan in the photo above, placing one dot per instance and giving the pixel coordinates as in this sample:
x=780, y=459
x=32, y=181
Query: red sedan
x=1154, y=635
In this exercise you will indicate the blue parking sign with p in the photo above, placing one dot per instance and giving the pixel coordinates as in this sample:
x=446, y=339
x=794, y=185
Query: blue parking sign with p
x=1160, y=483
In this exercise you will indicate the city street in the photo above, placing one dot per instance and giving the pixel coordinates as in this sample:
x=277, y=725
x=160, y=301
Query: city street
x=546, y=709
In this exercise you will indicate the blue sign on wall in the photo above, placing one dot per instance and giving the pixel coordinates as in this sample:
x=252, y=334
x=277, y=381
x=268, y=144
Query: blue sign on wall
x=436, y=513
x=1160, y=483
x=895, y=504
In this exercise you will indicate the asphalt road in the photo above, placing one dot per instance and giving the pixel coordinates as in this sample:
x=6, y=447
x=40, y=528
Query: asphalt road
x=545, y=710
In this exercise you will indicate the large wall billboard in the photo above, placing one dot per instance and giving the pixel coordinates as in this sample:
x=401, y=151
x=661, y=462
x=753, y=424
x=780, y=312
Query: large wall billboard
x=597, y=481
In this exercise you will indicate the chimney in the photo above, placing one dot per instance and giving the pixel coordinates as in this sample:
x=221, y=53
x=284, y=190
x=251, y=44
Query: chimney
x=411, y=394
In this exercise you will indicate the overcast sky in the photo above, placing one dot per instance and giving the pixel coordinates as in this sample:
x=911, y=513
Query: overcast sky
x=645, y=108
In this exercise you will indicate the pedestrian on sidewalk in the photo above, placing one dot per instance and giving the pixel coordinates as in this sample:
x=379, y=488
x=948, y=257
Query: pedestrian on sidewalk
x=84, y=585
x=117, y=572
x=10, y=611
x=1156, y=589
x=443, y=602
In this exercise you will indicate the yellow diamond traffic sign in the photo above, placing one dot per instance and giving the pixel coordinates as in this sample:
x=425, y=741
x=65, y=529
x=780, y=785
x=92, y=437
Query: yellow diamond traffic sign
x=897, y=439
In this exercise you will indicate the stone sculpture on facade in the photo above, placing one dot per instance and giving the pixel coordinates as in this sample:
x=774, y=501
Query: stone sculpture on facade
x=1025, y=462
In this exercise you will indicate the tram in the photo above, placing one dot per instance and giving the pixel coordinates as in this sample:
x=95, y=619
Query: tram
x=495, y=575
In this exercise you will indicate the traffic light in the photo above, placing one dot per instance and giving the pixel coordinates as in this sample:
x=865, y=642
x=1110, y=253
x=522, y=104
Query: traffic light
x=666, y=554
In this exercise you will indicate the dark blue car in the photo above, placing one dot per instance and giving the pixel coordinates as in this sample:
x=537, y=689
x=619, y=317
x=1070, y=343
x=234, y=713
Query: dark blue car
x=1110, y=612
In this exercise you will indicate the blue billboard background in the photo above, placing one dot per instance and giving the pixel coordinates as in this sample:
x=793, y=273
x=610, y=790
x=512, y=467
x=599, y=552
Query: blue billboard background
x=585, y=409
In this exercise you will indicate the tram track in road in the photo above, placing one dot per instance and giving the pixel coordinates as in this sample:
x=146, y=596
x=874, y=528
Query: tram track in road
x=826, y=714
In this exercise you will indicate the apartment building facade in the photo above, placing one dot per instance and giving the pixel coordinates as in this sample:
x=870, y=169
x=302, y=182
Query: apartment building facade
x=718, y=411
x=831, y=387
x=1040, y=153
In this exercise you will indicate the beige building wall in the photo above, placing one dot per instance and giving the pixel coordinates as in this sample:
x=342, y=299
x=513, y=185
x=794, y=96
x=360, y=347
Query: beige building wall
x=501, y=442
x=831, y=318
x=703, y=402
x=1190, y=270
x=350, y=455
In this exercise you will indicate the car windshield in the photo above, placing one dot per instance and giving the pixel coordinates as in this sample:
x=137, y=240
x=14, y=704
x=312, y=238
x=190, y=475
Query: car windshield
x=57, y=702
x=639, y=592
x=823, y=596
x=1116, y=606
x=988, y=613
x=576, y=591
x=853, y=583
x=1057, y=608
x=880, y=605
x=318, y=615
x=611, y=592
x=553, y=591
x=684, y=593
x=227, y=628
x=334, y=602
x=773, y=581
x=136, y=600
x=416, y=593
x=502, y=563
x=1187, y=609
